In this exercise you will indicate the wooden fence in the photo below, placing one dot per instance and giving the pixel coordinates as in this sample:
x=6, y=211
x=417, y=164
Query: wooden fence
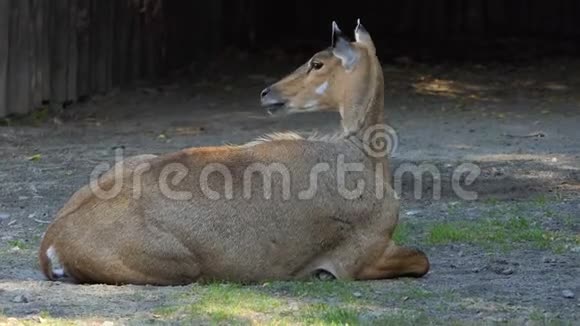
x=60, y=50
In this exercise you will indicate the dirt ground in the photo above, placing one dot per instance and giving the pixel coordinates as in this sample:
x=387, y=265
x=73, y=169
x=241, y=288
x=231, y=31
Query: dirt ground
x=520, y=123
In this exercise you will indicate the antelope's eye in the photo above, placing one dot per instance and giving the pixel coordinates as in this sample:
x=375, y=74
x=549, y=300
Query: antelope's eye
x=316, y=65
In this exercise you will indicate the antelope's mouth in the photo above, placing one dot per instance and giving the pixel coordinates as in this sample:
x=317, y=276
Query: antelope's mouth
x=273, y=101
x=276, y=108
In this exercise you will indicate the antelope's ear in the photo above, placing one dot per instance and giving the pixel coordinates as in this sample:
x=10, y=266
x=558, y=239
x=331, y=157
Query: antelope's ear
x=336, y=33
x=362, y=36
x=342, y=48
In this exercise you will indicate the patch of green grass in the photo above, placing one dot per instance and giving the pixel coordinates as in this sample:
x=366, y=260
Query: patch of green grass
x=559, y=249
x=539, y=318
x=278, y=303
x=138, y=296
x=506, y=210
x=47, y=320
x=570, y=221
x=18, y=244
x=413, y=290
x=324, y=314
x=45, y=314
x=233, y=303
x=40, y=115
x=541, y=200
x=502, y=232
x=536, y=315
x=338, y=290
x=35, y=158
x=230, y=294
x=517, y=229
x=4, y=122
x=445, y=233
x=454, y=209
x=402, y=233
x=491, y=201
x=166, y=311
x=298, y=303
x=405, y=318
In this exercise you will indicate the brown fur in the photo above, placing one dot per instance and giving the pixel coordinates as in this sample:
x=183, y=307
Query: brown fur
x=156, y=240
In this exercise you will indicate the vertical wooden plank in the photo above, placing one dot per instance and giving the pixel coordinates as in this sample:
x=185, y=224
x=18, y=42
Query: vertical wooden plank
x=101, y=19
x=37, y=53
x=121, y=41
x=531, y=22
x=43, y=32
x=433, y=18
x=474, y=15
x=60, y=51
x=559, y=6
x=569, y=21
x=448, y=7
x=115, y=46
x=135, y=56
x=198, y=25
x=518, y=16
x=47, y=45
x=150, y=46
x=108, y=43
x=407, y=22
x=83, y=48
x=250, y=20
x=93, y=30
x=128, y=45
x=575, y=16
x=72, y=51
x=153, y=38
x=161, y=37
x=454, y=17
x=497, y=19
x=121, y=63
x=4, y=55
x=545, y=16
x=19, y=82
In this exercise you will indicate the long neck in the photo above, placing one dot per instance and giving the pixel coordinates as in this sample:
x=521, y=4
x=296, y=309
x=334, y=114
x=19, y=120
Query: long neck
x=364, y=106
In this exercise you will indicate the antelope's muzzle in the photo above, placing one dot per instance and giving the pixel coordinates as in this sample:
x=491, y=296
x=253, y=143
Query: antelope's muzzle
x=272, y=101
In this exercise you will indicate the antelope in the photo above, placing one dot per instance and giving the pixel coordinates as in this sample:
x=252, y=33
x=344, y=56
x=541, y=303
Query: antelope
x=203, y=224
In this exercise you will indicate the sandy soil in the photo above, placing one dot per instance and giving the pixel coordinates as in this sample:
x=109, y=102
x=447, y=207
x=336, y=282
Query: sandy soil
x=519, y=123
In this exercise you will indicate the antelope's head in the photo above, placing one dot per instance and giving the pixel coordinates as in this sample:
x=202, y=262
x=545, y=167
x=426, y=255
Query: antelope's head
x=329, y=80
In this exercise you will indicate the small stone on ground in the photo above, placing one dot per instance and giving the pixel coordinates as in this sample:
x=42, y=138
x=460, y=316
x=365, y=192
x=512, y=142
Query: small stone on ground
x=20, y=299
x=568, y=294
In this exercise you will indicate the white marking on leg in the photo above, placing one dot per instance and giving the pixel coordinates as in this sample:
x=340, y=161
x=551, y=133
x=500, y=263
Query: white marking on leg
x=51, y=254
x=58, y=273
x=54, y=262
x=322, y=88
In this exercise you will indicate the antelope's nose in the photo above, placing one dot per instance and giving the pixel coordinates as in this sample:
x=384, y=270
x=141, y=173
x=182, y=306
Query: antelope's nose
x=270, y=96
x=265, y=92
